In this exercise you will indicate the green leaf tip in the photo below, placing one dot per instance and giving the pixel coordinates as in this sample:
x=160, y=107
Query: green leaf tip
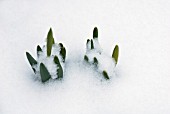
x=95, y=33
x=59, y=70
x=115, y=54
x=38, y=50
x=63, y=53
x=92, y=45
x=61, y=45
x=86, y=58
x=56, y=60
x=105, y=75
x=31, y=60
x=50, y=42
x=87, y=41
x=95, y=61
x=45, y=75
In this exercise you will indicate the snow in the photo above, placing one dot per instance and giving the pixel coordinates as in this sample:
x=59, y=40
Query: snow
x=49, y=61
x=104, y=62
x=140, y=28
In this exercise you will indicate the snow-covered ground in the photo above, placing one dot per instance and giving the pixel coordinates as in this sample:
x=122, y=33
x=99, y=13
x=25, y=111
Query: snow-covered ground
x=141, y=28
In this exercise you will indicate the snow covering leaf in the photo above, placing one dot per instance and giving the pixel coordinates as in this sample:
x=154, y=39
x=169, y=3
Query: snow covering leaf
x=88, y=44
x=62, y=51
x=59, y=70
x=31, y=60
x=92, y=44
x=115, y=53
x=95, y=61
x=88, y=40
x=95, y=33
x=50, y=42
x=45, y=75
x=38, y=50
x=105, y=75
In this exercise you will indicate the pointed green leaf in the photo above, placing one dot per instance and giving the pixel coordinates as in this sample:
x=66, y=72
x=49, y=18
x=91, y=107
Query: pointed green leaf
x=95, y=33
x=87, y=41
x=38, y=50
x=45, y=75
x=60, y=44
x=50, y=42
x=105, y=75
x=56, y=60
x=115, y=54
x=31, y=60
x=95, y=61
x=87, y=44
x=63, y=53
x=59, y=70
x=86, y=58
x=92, y=45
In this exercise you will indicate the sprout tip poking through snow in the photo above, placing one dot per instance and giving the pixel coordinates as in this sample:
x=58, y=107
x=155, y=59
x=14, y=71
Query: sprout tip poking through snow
x=50, y=60
x=94, y=55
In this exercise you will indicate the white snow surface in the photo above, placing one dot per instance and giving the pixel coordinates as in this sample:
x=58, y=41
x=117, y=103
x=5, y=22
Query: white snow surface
x=141, y=84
